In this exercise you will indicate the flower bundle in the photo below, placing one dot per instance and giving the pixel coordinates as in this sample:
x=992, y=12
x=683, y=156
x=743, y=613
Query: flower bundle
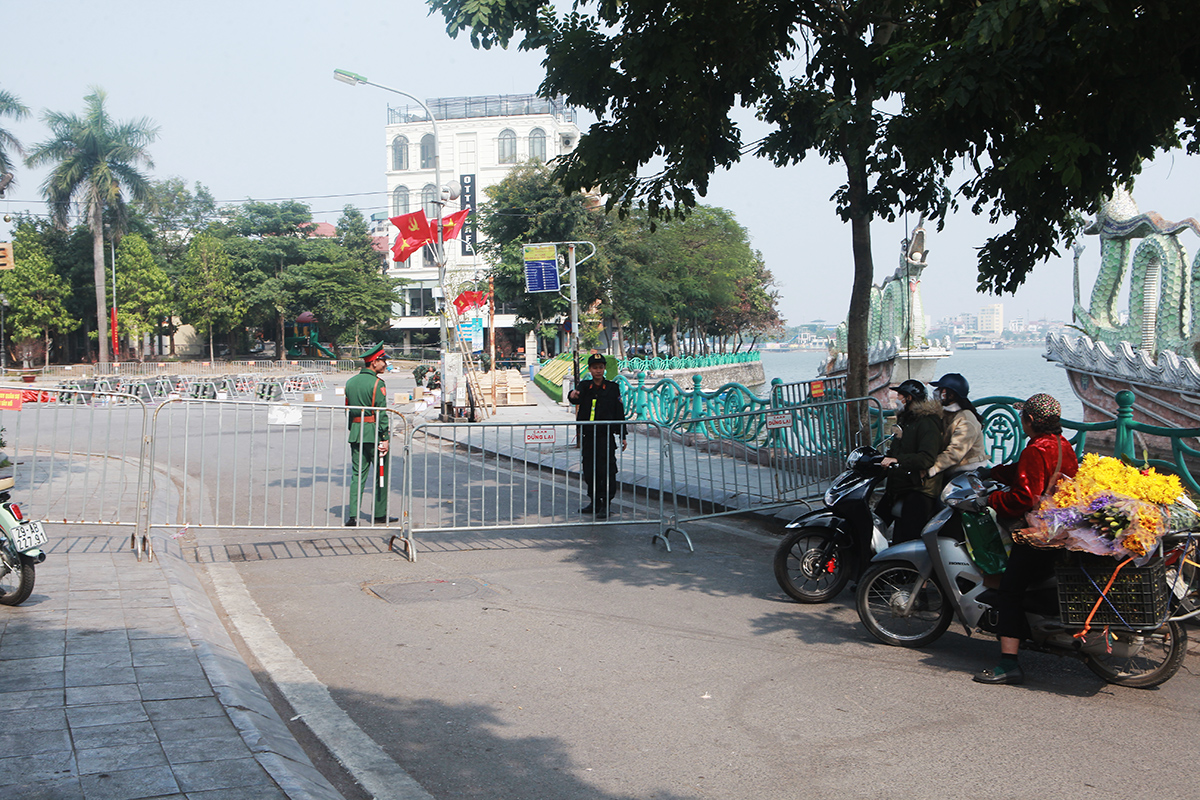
x=1109, y=508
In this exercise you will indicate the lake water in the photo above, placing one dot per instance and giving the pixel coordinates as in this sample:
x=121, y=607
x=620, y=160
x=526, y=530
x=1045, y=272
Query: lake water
x=1015, y=372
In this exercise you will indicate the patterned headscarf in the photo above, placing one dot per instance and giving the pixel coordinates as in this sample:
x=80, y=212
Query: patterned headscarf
x=1041, y=409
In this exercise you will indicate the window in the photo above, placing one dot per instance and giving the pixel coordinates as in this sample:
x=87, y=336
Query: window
x=399, y=154
x=506, y=147
x=537, y=144
x=399, y=201
x=429, y=201
x=420, y=303
x=428, y=151
x=427, y=256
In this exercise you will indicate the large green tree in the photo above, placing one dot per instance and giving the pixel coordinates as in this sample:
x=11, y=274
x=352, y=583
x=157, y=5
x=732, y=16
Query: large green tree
x=36, y=294
x=95, y=161
x=663, y=77
x=1049, y=104
x=209, y=296
x=145, y=295
x=1046, y=103
x=10, y=106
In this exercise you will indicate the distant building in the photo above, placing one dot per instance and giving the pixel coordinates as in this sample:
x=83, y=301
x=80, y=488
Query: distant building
x=991, y=320
x=480, y=139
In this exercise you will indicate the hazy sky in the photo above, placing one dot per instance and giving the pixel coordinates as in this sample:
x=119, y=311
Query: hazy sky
x=247, y=105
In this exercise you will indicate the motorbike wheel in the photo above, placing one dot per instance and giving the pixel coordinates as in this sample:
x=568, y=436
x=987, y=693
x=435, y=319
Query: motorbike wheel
x=16, y=579
x=812, y=565
x=882, y=594
x=1142, y=660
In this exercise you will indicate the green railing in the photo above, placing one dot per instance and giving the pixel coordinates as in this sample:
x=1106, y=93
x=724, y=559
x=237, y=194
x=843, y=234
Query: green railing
x=1005, y=438
x=687, y=362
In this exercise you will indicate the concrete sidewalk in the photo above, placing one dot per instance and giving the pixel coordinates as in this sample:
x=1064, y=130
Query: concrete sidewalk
x=118, y=681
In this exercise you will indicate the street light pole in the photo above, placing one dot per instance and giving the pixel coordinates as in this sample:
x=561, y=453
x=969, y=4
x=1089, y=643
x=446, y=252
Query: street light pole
x=354, y=79
x=3, y=344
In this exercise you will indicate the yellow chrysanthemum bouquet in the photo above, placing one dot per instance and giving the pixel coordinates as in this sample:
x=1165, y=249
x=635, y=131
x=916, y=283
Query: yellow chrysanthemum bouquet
x=1109, y=508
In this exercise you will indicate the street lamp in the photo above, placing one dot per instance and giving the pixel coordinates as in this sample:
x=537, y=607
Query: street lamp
x=354, y=79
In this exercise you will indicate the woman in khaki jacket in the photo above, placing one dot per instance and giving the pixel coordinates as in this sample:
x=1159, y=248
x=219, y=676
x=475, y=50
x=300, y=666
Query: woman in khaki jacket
x=962, y=429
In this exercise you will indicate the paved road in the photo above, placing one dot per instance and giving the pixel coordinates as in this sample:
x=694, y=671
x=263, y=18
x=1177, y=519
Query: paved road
x=583, y=663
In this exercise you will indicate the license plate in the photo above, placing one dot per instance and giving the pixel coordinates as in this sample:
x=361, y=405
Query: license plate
x=29, y=535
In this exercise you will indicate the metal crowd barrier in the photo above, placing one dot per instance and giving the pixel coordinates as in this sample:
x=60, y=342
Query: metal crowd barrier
x=759, y=460
x=264, y=466
x=493, y=476
x=77, y=454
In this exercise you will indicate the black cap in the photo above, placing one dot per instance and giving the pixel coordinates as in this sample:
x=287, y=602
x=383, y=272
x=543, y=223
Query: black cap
x=596, y=358
x=914, y=389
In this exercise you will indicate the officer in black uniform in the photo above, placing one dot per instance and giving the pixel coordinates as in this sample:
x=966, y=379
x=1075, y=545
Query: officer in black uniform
x=598, y=399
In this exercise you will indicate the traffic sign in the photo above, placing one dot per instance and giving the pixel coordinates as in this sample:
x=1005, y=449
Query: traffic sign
x=541, y=268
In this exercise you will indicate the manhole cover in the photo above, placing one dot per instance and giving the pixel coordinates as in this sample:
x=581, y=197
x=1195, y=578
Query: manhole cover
x=453, y=589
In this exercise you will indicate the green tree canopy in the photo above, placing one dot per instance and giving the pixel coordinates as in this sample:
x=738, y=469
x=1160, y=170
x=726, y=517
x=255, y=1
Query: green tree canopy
x=36, y=294
x=145, y=295
x=209, y=297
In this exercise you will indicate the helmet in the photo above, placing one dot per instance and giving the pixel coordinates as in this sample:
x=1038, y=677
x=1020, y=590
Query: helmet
x=914, y=389
x=955, y=383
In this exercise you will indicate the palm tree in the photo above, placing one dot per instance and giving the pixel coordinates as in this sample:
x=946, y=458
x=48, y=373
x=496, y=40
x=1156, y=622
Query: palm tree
x=94, y=159
x=10, y=106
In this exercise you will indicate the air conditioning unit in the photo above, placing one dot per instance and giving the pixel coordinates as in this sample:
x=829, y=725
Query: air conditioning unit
x=567, y=140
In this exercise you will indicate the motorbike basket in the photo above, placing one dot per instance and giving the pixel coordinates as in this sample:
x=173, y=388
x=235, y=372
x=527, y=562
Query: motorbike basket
x=1137, y=599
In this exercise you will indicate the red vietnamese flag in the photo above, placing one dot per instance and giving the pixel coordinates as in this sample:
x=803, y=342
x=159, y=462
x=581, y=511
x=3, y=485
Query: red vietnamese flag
x=414, y=227
x=453, y=224
x=469, y=300
x=404, y=248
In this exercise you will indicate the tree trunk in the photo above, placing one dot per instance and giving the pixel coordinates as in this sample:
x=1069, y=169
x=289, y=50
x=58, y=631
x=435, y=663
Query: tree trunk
x=279, y=341
x=653, y=340
x=675, y=338
x=97, y=223
x=864, y=274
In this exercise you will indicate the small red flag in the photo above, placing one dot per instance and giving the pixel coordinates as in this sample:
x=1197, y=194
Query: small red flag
x=453, y=224
x=404, y=248
x=414, y=226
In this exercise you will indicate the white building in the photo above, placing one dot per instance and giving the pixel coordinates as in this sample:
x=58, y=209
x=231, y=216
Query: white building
x=991, y=319
x=479, y=139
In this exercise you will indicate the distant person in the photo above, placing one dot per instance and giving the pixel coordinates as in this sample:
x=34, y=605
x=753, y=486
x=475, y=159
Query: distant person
x=598, y=399
x=369, y=434
x=914, y=448
x=1046, y=457
x=962, y=429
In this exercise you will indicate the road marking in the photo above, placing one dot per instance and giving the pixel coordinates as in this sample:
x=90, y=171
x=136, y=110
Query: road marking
x=361, y=755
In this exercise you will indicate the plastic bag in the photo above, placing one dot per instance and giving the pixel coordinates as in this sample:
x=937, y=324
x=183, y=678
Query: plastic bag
x=985, y=542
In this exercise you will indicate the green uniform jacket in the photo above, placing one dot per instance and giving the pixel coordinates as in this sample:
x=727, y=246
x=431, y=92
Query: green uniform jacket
x=368, y=390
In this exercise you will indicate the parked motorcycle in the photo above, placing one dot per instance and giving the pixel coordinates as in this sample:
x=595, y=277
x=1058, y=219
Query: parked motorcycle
x=824, y=548
x=20, y=550
x=913, y=591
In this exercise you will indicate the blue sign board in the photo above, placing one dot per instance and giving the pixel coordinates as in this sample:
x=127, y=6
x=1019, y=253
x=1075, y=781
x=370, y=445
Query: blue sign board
x=541, y=268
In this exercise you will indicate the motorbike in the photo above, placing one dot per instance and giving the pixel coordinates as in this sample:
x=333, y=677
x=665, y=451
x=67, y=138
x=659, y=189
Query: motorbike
x=914, y=590
x=20, y=550
x=827, y=546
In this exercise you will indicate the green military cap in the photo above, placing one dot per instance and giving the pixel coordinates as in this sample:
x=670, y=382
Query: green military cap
x=373, y=352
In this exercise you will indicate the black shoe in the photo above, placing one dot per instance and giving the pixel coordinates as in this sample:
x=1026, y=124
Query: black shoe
x=1011, y=677
x=590, y=508
x=350, y=523
x=601, y=513
x=379, y=520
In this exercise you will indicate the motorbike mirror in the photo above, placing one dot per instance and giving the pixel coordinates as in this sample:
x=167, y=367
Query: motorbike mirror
x=976, y=483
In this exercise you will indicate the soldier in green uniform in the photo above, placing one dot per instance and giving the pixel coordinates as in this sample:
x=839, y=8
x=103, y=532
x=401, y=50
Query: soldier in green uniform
x=369, y=435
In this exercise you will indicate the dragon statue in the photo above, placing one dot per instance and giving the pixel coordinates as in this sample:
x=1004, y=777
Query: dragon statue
x=1163, y=312
x=897, y=320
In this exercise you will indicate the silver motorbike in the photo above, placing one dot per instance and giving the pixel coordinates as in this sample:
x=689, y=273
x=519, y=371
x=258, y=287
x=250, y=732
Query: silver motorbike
x=913, y=591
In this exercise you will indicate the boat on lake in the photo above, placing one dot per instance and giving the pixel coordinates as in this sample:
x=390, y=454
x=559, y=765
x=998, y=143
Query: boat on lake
x=1150, y=349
